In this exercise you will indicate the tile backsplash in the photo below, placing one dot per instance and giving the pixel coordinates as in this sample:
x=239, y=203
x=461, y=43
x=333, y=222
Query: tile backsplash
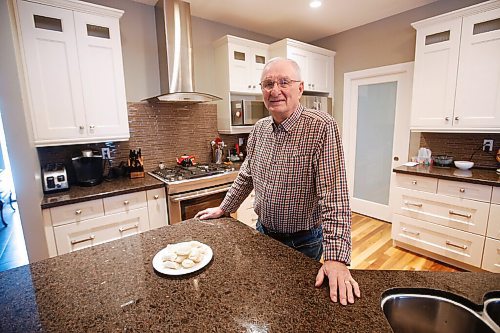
x=462, y=146
x=162, y=131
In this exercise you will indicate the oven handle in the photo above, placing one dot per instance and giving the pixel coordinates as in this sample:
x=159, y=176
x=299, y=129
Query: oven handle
x=197, y=194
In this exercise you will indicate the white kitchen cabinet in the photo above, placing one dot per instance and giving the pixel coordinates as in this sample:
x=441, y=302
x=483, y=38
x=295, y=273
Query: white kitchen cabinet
x=316, y=64
x=457, y=71
x=73, y=69
x=75, y=226
x=449, y=223
x=491, y=256
x=239, y=63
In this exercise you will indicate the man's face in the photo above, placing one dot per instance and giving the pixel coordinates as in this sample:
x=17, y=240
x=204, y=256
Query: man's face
x=282, y=101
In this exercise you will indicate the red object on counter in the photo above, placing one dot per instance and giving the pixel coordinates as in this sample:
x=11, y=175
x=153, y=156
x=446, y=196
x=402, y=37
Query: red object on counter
x=237, y=146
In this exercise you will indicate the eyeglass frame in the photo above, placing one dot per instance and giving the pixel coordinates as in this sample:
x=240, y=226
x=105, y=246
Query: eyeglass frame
x=276, y=82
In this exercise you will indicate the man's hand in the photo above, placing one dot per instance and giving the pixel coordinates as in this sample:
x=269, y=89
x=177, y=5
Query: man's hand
x=210, y=213
x=339, y=279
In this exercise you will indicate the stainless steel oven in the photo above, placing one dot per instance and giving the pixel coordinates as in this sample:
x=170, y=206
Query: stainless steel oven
x=192, y=189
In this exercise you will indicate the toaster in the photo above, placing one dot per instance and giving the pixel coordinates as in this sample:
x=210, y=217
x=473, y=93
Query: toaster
x=54, y=178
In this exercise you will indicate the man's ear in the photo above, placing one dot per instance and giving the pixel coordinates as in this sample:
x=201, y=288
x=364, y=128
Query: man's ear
x=301, y=88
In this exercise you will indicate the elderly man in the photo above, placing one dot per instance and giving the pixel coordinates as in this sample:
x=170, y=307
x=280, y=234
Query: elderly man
x=295, y=164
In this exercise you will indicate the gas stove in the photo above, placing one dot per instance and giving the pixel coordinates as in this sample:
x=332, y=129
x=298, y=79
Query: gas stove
x=180, y=173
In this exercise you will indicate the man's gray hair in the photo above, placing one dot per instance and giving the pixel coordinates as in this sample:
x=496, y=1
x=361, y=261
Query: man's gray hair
x=294, y=64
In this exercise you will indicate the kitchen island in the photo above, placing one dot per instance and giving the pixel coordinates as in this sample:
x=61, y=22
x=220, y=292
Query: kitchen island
x=252, y=284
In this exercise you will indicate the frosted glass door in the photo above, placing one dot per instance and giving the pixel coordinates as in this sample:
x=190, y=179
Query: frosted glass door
x=376, y=134
x=374, y=141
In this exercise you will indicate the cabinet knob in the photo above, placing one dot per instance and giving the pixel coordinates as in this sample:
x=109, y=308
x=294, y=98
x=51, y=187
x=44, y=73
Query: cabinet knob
x=457, y=118
x=313, y=85
x=447, y=118
x=414, y=182
x=249, y=86
x=78, y=212
x=81, y=127
x=253, y=86
x=126, y=202
x=156, y=196
x=462, y=190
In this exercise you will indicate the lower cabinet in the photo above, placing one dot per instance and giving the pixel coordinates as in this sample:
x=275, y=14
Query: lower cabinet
x=76, y=226
x=448, y=220
x=245, y=213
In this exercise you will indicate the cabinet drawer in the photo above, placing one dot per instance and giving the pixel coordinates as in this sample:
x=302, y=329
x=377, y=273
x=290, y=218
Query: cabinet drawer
x=494, y=222
x=157, y=208
x=462, y=214
x=76, y=236
x=124, y=202
x=425, y=184
x=495, y=197
x=491, y=256
x=76, y=212
x=465, y=190
x=455, y=244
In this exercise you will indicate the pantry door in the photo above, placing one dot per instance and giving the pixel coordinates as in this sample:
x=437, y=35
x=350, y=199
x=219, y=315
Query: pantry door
x=376, y=134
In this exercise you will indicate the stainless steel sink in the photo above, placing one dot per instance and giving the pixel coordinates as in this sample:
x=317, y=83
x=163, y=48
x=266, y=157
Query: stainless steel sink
x=492, y=310
x=420, y=312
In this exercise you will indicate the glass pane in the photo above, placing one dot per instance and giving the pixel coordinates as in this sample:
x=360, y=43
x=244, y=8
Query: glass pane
x=437, y=38
x=47, y=23
x=260, y=59
x=374, y=141
x=239, y=56
x=487, y=26
x=97, y=31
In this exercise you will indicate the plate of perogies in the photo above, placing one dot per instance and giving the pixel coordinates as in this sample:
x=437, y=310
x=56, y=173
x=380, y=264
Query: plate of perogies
x=182, y=258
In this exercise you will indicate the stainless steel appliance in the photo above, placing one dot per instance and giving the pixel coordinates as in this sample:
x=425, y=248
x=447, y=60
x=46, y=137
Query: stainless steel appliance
x=247, y=112
x=54, y=178
x=194, y=188
x=317, y=103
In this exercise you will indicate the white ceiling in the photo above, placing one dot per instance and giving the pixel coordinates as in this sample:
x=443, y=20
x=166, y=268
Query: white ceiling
x=294, y=18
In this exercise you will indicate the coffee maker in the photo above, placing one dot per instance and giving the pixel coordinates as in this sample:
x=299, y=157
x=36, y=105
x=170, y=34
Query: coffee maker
x=88, y=168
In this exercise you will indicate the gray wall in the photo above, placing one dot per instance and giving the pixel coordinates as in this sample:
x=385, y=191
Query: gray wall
x=384, y=42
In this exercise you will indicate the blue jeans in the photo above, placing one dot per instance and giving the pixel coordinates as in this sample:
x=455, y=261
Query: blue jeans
x=308, y=242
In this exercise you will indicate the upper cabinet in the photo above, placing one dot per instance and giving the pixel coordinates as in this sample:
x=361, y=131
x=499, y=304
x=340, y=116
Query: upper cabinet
x=457, y=71
x=73, y=66
x=316, y=64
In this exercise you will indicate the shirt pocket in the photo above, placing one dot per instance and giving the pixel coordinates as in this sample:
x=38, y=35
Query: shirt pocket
x=295, y=171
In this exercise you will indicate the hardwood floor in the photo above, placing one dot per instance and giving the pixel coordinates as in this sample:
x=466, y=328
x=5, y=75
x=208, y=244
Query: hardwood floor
x=12, y=248
x=373, y=249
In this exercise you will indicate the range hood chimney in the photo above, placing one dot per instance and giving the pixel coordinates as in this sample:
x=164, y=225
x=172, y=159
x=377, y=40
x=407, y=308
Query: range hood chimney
x=175, y=56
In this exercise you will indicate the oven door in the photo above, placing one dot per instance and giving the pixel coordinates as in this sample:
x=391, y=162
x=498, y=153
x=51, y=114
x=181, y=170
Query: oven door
x=184, y=206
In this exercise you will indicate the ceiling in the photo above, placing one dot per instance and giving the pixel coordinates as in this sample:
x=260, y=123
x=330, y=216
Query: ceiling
x=295, y=19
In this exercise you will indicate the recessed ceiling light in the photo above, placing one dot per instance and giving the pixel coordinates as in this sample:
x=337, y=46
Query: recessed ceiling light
x=315, y=4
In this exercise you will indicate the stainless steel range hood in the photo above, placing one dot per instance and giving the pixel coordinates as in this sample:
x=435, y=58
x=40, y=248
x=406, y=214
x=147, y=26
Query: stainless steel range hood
x=175, y=56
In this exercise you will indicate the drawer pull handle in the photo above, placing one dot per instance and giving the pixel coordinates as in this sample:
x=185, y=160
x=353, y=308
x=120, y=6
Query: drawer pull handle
x=122, y=229
x=126, y=202
x=463, y=247
x=414, y=182
x=447, y=118
x=416, y=233
x=408, y=203
x=462, y=190
x=460, y=214
x=78, y=212
x=91, y=237
x=156, y=196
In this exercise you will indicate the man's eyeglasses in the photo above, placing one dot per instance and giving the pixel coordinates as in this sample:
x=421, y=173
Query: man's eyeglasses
x=268, y=85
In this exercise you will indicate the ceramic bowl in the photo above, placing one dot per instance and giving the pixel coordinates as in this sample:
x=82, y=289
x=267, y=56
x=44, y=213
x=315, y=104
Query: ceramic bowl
x=464, y=165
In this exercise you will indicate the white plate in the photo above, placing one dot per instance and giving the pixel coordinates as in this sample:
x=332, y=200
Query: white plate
x=159, y=265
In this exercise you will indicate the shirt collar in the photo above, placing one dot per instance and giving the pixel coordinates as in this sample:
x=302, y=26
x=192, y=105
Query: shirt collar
x=289, y=122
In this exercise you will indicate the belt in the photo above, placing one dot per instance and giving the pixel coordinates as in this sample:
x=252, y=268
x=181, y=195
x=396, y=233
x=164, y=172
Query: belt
x=286, y=235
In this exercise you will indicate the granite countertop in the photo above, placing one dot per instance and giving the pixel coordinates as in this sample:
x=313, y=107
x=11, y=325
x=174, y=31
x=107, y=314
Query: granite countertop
x=252, y=284
x=477, y=176
x=105, y=189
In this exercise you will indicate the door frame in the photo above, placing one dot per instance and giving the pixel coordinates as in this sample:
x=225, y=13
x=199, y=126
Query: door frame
x=403, y=73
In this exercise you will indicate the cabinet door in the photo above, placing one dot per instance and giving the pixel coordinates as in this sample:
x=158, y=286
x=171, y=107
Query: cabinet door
x=53, y=74
x=301, y=58
x=157, y=208
x=76, y=236
x=477, y=103
x=494, y=222
x=99, y=49
x=239, y=68
x=435, y=76
x=259, y=59
x=491, y=255
x=320, y=72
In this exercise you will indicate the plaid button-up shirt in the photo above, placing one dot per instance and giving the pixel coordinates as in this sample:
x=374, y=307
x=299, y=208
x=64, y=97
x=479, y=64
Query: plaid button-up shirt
x=298, y=173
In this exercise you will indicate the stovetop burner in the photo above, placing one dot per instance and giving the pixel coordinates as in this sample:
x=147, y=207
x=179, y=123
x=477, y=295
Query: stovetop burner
x=179, y=173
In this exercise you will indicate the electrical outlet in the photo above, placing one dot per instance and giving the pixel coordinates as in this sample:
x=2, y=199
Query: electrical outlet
x=487, y=145
x=105, y=153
